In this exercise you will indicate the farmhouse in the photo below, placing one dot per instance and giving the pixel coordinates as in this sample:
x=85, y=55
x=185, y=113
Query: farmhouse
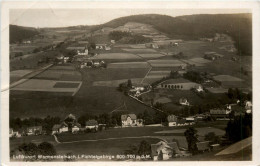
x=203, y=146
x=75, y=127
x=212, y=55
x=178, y=83
x=220, y=113
x=128, y=120
x=172, y=120
x=248, y=106
x=164, y=151
x=82, y=52
x=35, y=130
x=60, y=128
x=184, y=101
x=139, y=122
x=199, y=88
x=91, y=124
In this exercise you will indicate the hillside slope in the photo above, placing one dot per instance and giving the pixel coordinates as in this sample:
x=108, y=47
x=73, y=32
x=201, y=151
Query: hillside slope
x=19, y=33
x=238, y=26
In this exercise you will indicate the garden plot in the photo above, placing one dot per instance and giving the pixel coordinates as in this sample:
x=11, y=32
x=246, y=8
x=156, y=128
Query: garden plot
x=115, y=83
x=201, y=131
x=166, y=63
x=48, y=86
x=138, y=46
x=116, y=56
x=128, y=65
x=217, y=90
x=140, y=50
x=60, y=74
x=152, y=55
x=197, y=61
x=163, y=100
x=223, y=78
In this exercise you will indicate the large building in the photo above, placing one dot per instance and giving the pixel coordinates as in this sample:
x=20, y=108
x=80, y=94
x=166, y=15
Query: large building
x=128, y=120
x=178, y=83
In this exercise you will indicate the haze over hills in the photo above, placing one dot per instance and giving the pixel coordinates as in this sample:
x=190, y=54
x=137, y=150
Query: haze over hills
x=191, y=27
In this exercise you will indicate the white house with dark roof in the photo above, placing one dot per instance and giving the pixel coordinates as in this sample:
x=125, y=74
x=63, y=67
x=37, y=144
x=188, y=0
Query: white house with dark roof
x=165, y=150
x=128, y=120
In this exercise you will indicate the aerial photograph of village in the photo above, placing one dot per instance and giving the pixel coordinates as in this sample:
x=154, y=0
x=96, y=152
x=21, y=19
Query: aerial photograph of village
x=130, y=85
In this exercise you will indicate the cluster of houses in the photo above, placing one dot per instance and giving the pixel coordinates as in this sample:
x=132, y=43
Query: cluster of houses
x=93, y=64
x=130, y=120
x=103, y=47
x=138, y=90
x=166, y=150
x=212, y=55
x=61, y=59
x=177, y=121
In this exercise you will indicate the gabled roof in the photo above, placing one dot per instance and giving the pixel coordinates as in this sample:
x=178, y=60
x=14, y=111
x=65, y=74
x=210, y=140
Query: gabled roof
x=162, y=145
x=76, y=125
x=91, y=122
x=203, y=145
x=132, y=116
x=172, y=118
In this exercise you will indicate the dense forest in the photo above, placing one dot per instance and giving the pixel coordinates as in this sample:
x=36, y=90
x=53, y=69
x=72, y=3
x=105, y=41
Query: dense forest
x=19, y=33
x=238, y=26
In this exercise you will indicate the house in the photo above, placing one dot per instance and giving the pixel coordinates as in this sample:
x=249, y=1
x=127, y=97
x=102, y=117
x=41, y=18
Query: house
x=35, y=130
x=203, y=146
x=128, y=120
x=190, y=120
x=107, y=48
x=91, y=124
x=83, y=51
x=75, y=127
x=172, y=120
x=182, y=122
x=11, y=132
x=220, y=113
x=113, y=41
x=139, y=122
x=60, y=128
x=248, y=107
x=199, y=88
x=184, y=101
x=164, y=151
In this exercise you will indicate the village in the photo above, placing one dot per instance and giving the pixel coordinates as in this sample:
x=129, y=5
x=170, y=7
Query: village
x=131, y=83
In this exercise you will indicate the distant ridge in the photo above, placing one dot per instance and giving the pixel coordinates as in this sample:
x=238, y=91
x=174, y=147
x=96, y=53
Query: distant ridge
x=19, y=33
x=238, y=26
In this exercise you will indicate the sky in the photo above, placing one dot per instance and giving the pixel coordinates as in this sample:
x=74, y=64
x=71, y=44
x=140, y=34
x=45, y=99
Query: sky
x=73, y=17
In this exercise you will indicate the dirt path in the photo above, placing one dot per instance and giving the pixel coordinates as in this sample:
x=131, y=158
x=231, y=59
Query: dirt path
x=56, y=139
x=236, y=147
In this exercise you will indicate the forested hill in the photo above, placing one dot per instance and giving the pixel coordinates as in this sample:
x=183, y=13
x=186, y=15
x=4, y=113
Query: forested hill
x=19, y=33
x=238, y=26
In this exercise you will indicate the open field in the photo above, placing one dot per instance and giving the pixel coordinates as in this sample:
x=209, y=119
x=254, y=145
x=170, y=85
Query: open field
x=223, y=78
x=115, y=83
x=108, y=74
x=166, y=63
x=217, y=90
x=106, y=147
x=115, y=56
x=128, y=65
x=139, y=50
x=201, y=131
x=151, y=55
x=197, y=61
x=61, y=75
x=47, y=86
